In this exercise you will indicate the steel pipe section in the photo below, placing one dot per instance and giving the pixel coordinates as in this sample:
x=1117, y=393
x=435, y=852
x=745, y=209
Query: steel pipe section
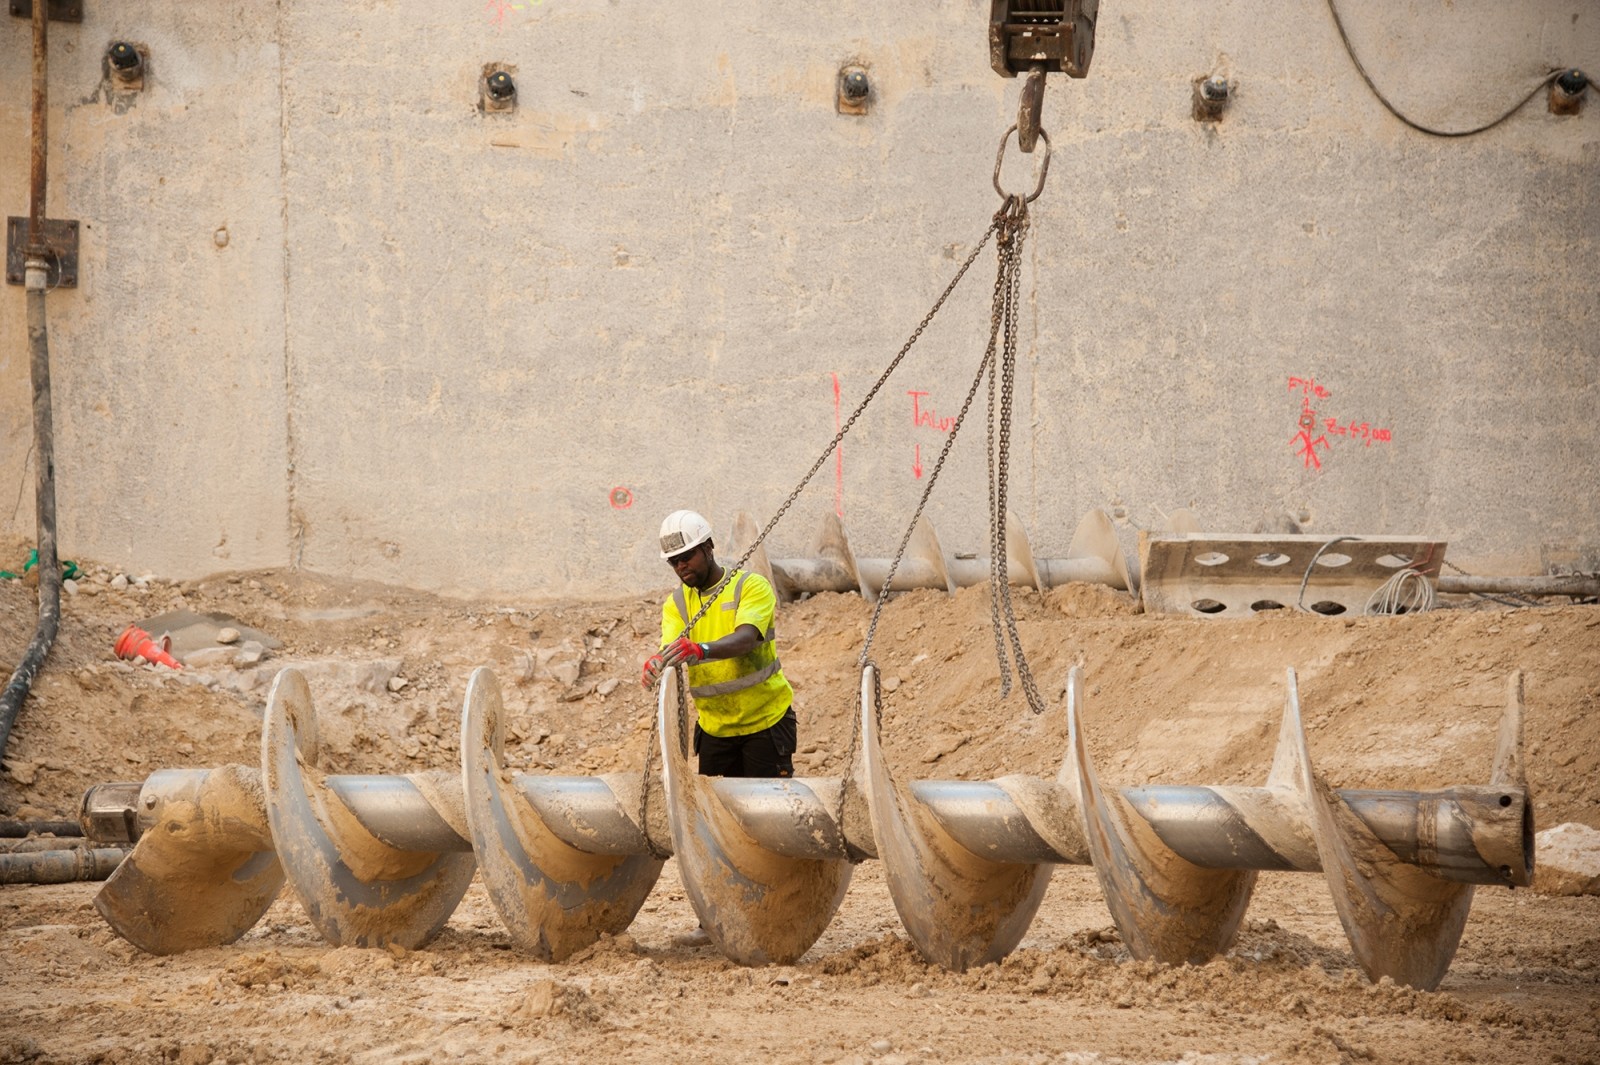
x=1469, y=834
x=1094, y=555
x=59, y=865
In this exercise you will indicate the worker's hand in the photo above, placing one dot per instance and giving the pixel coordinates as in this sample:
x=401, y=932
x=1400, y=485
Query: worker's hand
x=654, y=666
x=683, y=651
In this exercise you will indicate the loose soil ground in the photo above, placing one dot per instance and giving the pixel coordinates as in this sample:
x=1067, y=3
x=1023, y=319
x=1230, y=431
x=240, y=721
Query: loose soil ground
x=1409, y=702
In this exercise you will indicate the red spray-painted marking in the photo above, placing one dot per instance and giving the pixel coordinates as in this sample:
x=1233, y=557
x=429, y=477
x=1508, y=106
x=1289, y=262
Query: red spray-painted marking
x=498, y=9
x=1305, y=444
x=1364, y=431
x=1304, y=440
x=916, y=463
x=927, y=417
x=838, y=462
x=1308, y=387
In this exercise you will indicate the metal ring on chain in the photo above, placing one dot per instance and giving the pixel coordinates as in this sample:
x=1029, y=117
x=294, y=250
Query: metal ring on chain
x=1000, y=158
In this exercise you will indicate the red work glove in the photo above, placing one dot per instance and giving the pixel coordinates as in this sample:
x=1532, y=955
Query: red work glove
x=654, y=666
x=685, y=651
x=680, y=651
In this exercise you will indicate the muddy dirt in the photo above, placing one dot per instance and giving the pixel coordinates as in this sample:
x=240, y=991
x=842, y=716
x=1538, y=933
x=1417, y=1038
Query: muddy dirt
x=1408, y=702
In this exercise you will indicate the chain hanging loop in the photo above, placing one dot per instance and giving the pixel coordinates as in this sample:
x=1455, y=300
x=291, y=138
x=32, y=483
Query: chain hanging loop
x=1000, y=158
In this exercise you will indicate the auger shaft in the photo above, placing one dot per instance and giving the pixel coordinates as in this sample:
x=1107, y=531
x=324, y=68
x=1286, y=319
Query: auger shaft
x=1467, y=834
x=813, y=575
x=384, y=860
x=1094, y=556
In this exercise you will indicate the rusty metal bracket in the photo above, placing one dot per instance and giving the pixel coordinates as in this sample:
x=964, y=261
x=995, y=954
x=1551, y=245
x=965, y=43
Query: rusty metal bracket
x=60, y=237
x=59, y=10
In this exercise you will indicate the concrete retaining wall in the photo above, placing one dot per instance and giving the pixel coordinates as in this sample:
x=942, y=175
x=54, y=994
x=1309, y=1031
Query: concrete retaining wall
x=331, y=314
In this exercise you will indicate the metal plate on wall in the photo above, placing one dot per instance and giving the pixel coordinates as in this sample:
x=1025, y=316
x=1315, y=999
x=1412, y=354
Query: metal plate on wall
x=61, y=235
x=60, y=10
x=1239, y=575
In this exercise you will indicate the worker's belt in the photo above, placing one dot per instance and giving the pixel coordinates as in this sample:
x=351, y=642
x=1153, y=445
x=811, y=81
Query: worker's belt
x=737, y=684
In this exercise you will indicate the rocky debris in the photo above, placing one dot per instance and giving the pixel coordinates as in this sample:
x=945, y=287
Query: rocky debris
x=949, y=745
x=21, y=770
x=523, y=667
x=250, y=653
x=228, y=635
x=562, y=663
x=209, y=658
x=1567, y=860
x=578, y=691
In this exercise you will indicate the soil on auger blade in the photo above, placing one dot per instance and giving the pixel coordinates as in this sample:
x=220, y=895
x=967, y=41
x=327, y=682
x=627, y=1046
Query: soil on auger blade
x=1409, y=702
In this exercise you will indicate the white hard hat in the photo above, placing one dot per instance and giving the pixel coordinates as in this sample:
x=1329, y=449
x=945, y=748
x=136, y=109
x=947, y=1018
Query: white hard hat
x=683, y=529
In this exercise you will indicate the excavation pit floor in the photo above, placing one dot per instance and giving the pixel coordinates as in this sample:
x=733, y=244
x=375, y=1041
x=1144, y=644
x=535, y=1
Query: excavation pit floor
x=1409, y=702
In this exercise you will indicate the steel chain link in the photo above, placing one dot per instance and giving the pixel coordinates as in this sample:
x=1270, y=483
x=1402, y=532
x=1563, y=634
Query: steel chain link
x=1012, y=222
x=996, y=548
x=1000, y=579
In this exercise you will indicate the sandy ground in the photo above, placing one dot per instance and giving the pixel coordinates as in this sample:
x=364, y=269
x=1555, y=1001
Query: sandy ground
x=1407, y=702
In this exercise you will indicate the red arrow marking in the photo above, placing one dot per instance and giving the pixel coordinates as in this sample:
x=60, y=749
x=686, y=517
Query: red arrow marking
x=916, y=463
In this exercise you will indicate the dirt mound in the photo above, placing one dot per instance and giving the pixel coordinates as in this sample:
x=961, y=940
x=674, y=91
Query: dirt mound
x=1409, y=702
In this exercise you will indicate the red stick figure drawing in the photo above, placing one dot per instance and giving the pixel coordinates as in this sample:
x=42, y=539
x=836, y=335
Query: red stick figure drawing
x=497, y=10
x=1303, y=439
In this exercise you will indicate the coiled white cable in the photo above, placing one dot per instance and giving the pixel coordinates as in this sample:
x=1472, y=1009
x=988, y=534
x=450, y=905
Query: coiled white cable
x=1407, y=592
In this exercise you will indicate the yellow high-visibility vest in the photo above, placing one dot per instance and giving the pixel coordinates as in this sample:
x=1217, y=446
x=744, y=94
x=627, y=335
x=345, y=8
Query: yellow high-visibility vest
x=734, y=696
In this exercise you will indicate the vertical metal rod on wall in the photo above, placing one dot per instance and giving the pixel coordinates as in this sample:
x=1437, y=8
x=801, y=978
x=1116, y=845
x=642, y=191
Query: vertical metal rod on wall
x=36, y=273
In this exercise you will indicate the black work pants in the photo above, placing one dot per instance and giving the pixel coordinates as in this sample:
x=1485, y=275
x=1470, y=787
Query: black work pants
x=768, y=753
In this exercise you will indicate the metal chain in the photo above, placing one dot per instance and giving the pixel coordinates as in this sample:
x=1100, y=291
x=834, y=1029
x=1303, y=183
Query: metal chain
x=717, y=590
x=996, y=547
x=999, y=571
x=888, y=582
x=1011, y=221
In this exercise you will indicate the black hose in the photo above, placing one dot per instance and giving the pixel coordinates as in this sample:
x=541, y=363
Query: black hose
x=23, y=829
x=44, y=437
x=49, y=567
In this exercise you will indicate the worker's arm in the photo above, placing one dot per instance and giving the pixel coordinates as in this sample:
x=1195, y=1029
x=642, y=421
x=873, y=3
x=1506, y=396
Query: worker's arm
x=741, y=641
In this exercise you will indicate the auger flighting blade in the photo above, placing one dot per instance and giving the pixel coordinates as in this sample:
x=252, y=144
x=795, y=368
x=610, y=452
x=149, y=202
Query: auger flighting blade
x=922, y=563
x=1095, y=554
x=1167, y=909
x=357, y=889
x=553, y=898
x=959, y=909
x=203, y=872
x=742, y=534
x=757, y=906
x=1402, y=922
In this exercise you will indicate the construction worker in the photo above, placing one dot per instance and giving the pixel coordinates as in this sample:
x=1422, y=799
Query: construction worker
x=746, y=725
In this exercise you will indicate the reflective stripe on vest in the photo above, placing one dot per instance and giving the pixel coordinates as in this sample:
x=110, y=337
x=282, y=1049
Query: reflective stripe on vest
x=738, y=684
x=749, y=680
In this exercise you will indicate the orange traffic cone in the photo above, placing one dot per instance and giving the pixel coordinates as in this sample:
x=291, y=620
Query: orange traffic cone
x=136, y=643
